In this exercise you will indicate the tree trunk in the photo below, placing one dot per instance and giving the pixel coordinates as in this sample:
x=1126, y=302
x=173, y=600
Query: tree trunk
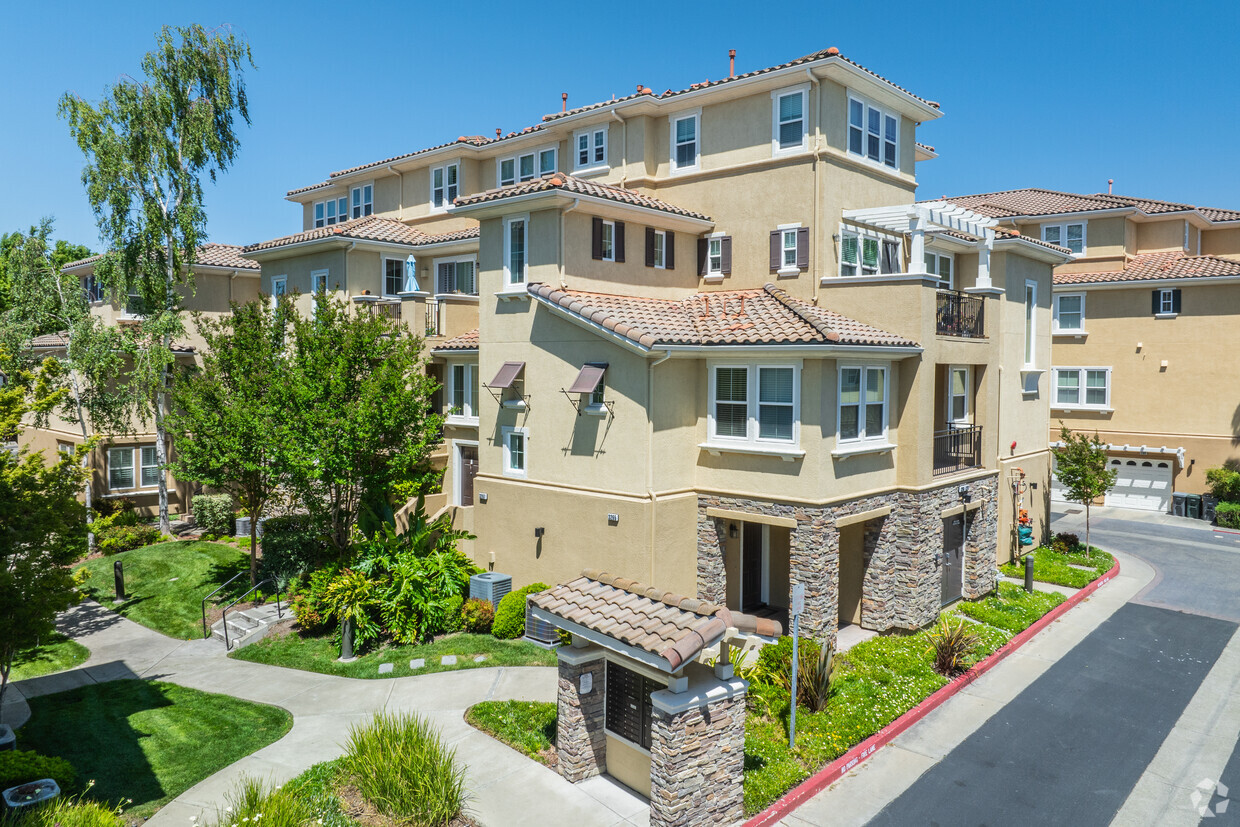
x=1087, y=555
x=81, y=413
x=6, y=666
x=254, y=515
x=161, y=455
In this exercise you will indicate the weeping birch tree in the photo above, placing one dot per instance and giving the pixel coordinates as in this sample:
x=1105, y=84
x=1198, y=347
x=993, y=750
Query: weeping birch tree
x=149, y=144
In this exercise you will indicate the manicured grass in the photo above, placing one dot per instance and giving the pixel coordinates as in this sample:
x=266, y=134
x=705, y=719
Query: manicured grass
x=146, y=740
x=319, y=654
x=56, y=655
x=526, y=726
x=1055, y=567
x=1012, y=608
x=166, y=583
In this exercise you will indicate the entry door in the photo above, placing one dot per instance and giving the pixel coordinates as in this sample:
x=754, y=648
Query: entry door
x=952, y=567
x=468, y=470
x=753, y=570
x=852, y=572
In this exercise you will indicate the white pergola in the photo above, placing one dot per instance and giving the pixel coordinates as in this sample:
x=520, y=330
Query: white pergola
x=914, y=219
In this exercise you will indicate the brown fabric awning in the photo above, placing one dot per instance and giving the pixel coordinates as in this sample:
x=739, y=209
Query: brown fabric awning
x=588, y=379
x=507, y=375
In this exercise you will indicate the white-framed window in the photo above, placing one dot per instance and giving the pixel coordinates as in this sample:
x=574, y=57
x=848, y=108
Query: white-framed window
x=445, y=185
x=942, y=265
x=658, y=249
x=120, y=468
x=864, y=254
x=755, y=403
x=393, y=276
x=516, y=449
x=1031, y=328
x=1082, y=388
x=789, y=108
x=92, y=289
x=279, y=287
x=685, y=141
x=862, y=403
x=331, y=211
x=788, y=248
x=527, y=166
x=363, y=200
x=590, y=148
x=959, y=389
x=1070, y=235
x=65, y=448
x=1069, y=312
x=122, y=463
x=516, y=257
x=1166, y=300
x=596, y=398
x=456, y=275
x=318, y=281
x=608, y=240
x=463, y=390
x=714, y=256
x=873, y=133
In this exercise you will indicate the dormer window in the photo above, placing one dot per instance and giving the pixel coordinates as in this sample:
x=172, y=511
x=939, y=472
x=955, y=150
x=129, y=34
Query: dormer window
x=1071, y=236
x=527, y=166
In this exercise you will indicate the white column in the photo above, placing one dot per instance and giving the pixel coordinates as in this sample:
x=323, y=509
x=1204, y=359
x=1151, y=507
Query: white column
x=917, y=249
x=983, y=259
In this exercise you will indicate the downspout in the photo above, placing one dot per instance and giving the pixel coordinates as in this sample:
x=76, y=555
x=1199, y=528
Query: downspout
x=400, y=193
x=564, y=212
x=816, y=269
x=654, y=500
x=624, y=148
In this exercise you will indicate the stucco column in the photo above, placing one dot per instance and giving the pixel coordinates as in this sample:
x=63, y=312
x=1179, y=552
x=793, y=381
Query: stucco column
x=983, y=260
x=917, y=246
x=580, y=739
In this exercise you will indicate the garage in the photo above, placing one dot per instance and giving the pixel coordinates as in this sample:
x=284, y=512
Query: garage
x=1141, y=484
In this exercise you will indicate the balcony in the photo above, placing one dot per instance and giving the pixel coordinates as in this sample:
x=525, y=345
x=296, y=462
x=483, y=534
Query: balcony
x=433, y=326
x=389, y=308
x=957, y=449
x=959, y=314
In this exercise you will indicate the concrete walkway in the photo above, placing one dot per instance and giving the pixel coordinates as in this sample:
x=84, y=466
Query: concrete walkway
x=508, y=788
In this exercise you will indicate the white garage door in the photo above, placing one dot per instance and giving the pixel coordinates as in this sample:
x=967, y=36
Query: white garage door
x=1142, y=484
x=1059, y=494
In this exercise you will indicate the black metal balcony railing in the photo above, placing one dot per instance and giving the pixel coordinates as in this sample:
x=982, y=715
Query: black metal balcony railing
x=959, y=314
x=957, y=448
x=432, y=318
x=390, y=308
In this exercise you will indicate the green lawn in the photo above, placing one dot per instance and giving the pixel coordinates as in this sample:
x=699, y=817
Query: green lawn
x=1056, y=567
x=526, y=726
x=319, y=654
x=146, y=740
x=56, y=655
x=166, y=583
x=1013, y=608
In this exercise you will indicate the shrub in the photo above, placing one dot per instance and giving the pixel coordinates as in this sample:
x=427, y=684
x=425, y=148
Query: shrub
x=1224, y=483
x=816, y=665
x=292, y=546
x=951, y=642
x=309, y=606
x=76, y=811
x=452, y=621
x=510, y=615
x=117, y=538
x=213, y=513
x=22, y=766
x=402, y=767
x=1227, y=514
x=351, y=595
x=477, y=616
x=251, y=799
x=113, y=508
x=1065, y=543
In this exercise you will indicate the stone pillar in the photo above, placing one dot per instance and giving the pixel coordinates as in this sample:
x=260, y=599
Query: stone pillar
x=981, y=562
x=712, y=578
x=697, y=755
x=580, y=739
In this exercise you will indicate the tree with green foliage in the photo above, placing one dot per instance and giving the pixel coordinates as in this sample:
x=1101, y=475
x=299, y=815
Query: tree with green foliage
x=1081, y=466
x=226, y=414
x=148, y=145
x=42, y=523
x=60, y=254
x=357, y=423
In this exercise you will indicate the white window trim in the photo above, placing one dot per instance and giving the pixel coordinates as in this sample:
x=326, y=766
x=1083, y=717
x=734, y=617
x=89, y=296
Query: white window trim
x=458, y=469
x=363, y=203
x=510, y=286
x=516, y=164
x=1029, y=342
x=469, y=414
x=672, y=120
x=275, y=296
x=1081, y=404
x=607, y=255
x=803, y=90
x=661, y=264
x=938, y=256
x=338, y=218
x=1061, y=331
x=864, y=157
x=787, y=269
x=456, y=260
x=865, y=232
x=1063, y=234
x=711, y=274
x=135, y=456
x=1166, y=296
x=967, y=417
x=863, y=438
x=506, y=432
x=447, y=202
x=593, y=165
x=317, y=274
x=751, y=442
x=383, y=273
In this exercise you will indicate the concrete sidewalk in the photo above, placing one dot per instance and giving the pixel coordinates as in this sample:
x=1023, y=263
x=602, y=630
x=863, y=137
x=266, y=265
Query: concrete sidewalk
x=508, y=788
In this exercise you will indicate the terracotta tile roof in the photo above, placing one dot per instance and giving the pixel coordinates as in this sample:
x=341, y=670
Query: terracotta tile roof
x=1174, y=265
x=57, y=341
x=1035, y=202
x=664, y=624
x=765, y=316
x=369, y=228
x=926, y=147
x=455, y=235
x=577, y=186
x=466, y=341
x=209, y=255
x=1009, y=232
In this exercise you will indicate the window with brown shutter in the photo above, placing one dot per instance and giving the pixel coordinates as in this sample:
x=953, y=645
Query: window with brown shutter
x=777, y=249
x=650, y=246
x=629, y=709
x=669, y=250
x=727, y=255
x=703, y=261
x=803, y=247
x=619, y=242
x=596, y=238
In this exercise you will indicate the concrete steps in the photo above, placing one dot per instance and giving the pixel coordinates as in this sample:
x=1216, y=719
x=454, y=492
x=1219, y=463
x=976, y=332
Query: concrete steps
x=248, y=625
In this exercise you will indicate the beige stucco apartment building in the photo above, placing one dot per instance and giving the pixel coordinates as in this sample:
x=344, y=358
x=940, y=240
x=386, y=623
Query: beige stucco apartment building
x=707, y=338
x=1144, y=314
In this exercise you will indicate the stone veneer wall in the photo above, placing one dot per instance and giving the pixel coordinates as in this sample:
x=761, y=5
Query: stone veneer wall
x=580, y=737
x=903, y=550
x=697, y=763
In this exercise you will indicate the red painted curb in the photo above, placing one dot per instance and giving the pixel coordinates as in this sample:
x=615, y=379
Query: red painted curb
x=836, y=769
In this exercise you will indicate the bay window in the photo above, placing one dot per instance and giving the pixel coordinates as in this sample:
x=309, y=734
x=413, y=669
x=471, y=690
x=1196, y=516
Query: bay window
x=862, y=403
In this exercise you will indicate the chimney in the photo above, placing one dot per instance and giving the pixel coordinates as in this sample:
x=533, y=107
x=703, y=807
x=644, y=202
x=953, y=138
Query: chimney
x=731, y=63
x=1110, y=183
x=563, y=101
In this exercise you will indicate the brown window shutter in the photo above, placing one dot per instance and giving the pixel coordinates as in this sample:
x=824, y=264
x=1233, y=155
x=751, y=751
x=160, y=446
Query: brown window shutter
x=1175, y=300
x=669, y=250
x=596, y=239
x=727, y=254
x=803, y=247
x=703, y=260
x=618, y=241
x=650, y=246
x=777, y=253
x=1157, y=301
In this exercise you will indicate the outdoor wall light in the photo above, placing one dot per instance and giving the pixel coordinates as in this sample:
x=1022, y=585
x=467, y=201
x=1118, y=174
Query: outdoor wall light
x=538, y=532
x=965, y=497
x=482, y=497
x=733, y=531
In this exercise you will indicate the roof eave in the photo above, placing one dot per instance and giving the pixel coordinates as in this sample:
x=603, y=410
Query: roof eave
x=1142, y=283
x=1031, y=249
x=329, y=241
x=557, y=198
x=825, y=349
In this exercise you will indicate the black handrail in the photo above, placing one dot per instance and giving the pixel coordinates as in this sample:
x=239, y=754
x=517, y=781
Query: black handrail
x=254, y=588
x=205, y=633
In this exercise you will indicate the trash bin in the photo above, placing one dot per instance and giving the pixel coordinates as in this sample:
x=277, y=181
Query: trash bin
x=1208, y=505
x=1179, y=504
x=1193, y=509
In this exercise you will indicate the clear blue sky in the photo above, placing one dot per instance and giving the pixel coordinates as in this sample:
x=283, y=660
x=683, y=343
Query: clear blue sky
x=1056, y=94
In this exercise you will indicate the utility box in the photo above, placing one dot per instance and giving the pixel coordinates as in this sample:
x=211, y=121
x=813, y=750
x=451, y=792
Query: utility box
x=490, y=586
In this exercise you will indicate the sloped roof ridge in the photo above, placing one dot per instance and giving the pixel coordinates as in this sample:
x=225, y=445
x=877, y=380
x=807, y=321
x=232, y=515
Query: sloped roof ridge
x=781, y=296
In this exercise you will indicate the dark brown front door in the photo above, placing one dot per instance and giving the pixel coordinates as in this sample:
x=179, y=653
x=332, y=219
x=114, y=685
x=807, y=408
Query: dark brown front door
x=952, y=566
x=469, y=470
x=751, y=566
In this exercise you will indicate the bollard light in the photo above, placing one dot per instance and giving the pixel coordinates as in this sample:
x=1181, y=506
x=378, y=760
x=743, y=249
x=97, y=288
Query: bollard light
x=119, y=571
x=1029, y=573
